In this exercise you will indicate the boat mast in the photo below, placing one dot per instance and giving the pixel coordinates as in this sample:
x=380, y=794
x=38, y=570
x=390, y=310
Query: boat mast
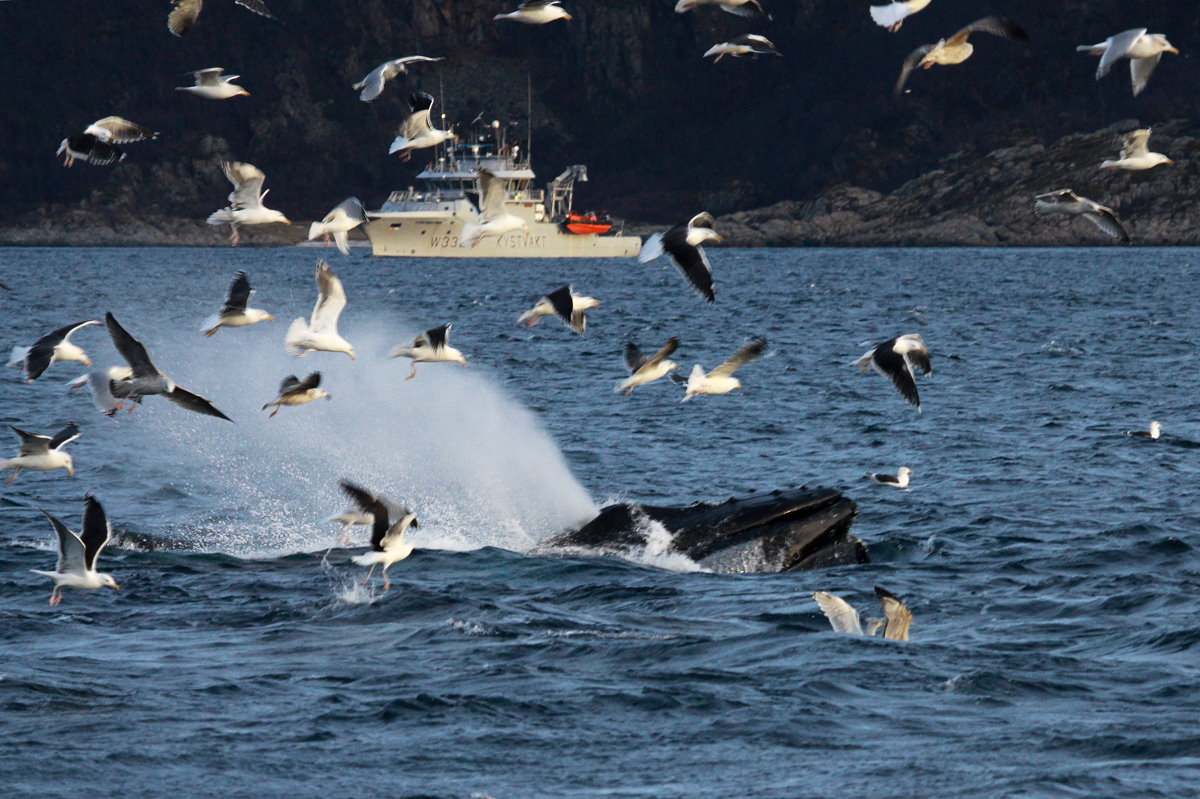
x=529, y=116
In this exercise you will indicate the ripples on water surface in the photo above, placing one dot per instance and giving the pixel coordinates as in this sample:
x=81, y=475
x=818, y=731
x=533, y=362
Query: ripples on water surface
x=1050, y=563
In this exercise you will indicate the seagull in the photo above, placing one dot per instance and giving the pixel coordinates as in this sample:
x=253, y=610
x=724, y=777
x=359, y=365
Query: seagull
x=563, y=303
x=844, y=619
x=1068, y=203
x=743, y=8
x=348, y=215
x=957, y=49
x=183, y=16
x=372, y=85
x=77, y=554
x=293, y=391
x=245, y=201
x=432, y=346
x=750, y=43
x=1141, y=48
x=1135, y=153
x=683, y=243
x=235, y=313
x=349, y=519
x=320, y=332
x=897, y=480
x=721, y=379
x=536, y=12
x=212, y=86
x=895, y=359
x=145, y=378
x=98, y=142
x=1153, y=433
x=418, y=132
x=646, y=369
x=52, y=347
x=389, y=522
x=42, y=453
x=892, y=15
x=491, y=217
x=98, y=382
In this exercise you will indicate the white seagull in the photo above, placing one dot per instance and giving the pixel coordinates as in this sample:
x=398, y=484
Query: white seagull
x=42, y=453
x=50, y=348
x=348, y=520
x=1141, y=48
x=98, y=142
x=742, y=8
x=535, y=12
x=235, y=312
x=1067, y=203
x=1135, y=153
x=432, y=346
x=895, y=359
x=492, y=219
x=212, y=85
x=683, y=243
x=294, y=391
x=957, y=49
x=372, y=85
x=77, y=554
x=897, y=480
x=320, y=333
x=747, y=44
x=566, y=305
x=348, y=215
x=645, y=369
x=892, y=15
x=389, y=522
x=183, y=16
x=1153, y=433
x=844, y=619
x=721, y=379
x=418, y=132
x=245, y=201
x=99, y=383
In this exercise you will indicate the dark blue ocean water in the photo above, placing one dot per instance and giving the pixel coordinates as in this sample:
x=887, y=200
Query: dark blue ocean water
x=1050, y=563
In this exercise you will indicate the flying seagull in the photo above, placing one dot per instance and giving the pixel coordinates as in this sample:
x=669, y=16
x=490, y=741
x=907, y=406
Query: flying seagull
x=99, y=383
x=892, y=15
x=957, y=49
x=372, y=85
x=235, y=312
x=844, y=619
x=743, y=8
x=1153, y=433
x=320, y=334
x=245, y=201
x=1135, y=153
x=77, y=554
x=896, y=359
x=389, y=522
x=1141, y=48
x=211, y=84
x=492, y=218
x=348, y=215
x=747, y=44
x=535, y=12
x=563, y=303
x=645, y=369
x=897, y=480
x=1068, y=203
x=52, y=347
x=432, y=346
x=146, y=379
x=418, y=132
x=42, y=453
x=98, y=142
x=683, y=243
x=294, y=391
x=721, y=379
x=183, y=16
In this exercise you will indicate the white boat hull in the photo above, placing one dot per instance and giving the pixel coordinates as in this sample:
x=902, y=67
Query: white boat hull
x=416, y=235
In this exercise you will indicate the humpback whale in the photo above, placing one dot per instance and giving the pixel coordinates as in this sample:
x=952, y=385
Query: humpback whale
x=779, y=531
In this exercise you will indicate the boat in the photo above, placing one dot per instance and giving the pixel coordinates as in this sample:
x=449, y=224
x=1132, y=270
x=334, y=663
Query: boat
x=426, y=221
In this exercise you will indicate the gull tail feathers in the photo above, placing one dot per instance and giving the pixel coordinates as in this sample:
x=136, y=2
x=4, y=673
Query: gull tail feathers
x=296, y=333
x=651, y=249
x=315, y=229
x=889, y=15
x=342, y=239
x=17, y=356
x=222, y=217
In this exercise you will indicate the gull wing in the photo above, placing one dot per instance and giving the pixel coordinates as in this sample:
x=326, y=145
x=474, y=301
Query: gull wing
x=331, y=299
x=239, y=294
x=492, y=195
x=31, y=443
x=247, y=180
x=288, y=384
x=210, y=77
x=898, y=615
x=377, y=506
x=72, y=554
x=37, y=360
x=1140, y=69
x=351, y=207
x=634, y=359
x=842, y=617
x=1136, y=143
x=751, y=8
x=97, y=531
x=562, y=302
x=194, y=402
x=257, y=6
x=997, y=26
x=745, y=355
x=122, y=131
x=702, y=219
x=372, y=84
x=183, y=16
x=658, y=357
x=1107, y=220
x=1118, y=47
x=130, y=348
x=896, y=368
x=910, y=64
x=439, y=336
x=64, y=436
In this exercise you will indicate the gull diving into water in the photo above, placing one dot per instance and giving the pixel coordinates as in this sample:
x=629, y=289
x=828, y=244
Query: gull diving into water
x=235, y=312
x=566, y=305
x=418, y=132
x=492, y=218
x=1135, y=153
x=957, y=49
x=50, y=348
x=892, y=15
x=77, y=554
x=721, y=379
x=844, y=619
x=645, y=369
x=99, y=383
x=683, y=243
x=896, y=359
x=348, y=215
x=145, y=378
x=747, y=44
x=183, y=16
x=432, y=346
x=1144, y=50
x=212, y=86
x=535, y=12
x=245, y=201
x=389, y=522
x=294, y=391
x=42, y=453
x=897, y=480
x=1067, y=203
x=320, y=333
x=742, y=8
x=372, y=85
x=1153, y=433
x=98, y=142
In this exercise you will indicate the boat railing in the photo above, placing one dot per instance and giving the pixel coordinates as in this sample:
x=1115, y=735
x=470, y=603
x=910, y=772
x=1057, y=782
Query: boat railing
x=411, y=195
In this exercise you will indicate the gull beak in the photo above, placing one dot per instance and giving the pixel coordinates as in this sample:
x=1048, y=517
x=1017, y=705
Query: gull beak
x=566, y=16
x=720, y=239
x=246, y=93
x=116, y=587
x=270, y=319
x=463, y=361
x=1173, y=50
x=88, y=361
x=1169, y=161
x=71, y=471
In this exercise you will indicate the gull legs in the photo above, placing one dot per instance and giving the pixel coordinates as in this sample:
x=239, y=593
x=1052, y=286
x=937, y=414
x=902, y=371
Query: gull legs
x=413, y=373
x=14, y=477
x=369, y=573
x=235, y=235
x=56, y=595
